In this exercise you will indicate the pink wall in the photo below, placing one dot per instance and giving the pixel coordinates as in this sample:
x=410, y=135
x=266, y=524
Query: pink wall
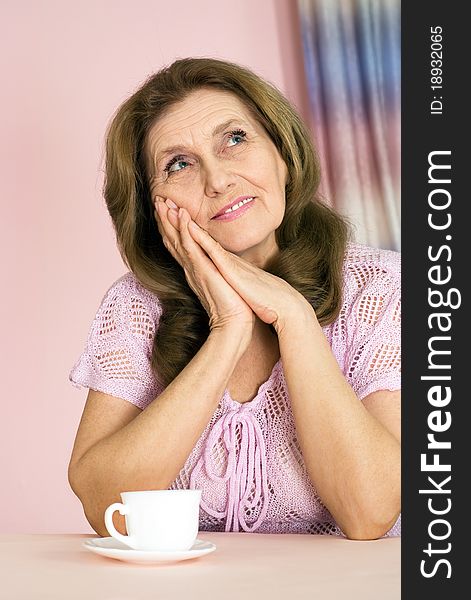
x=66, y=67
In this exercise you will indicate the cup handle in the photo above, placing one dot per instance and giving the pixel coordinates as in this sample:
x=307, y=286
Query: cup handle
x=123, y=510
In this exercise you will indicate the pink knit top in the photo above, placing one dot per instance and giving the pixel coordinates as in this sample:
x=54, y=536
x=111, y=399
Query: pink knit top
x=248, y=462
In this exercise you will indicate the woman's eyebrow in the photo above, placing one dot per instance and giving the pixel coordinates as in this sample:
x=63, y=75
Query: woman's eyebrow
x=231, y=123
x=216, y=131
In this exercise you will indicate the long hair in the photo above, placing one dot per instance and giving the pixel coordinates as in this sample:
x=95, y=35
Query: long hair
x=311, y=238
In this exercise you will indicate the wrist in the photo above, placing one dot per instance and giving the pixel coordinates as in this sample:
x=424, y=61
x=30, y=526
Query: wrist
x=233, y=336
x=297, y=321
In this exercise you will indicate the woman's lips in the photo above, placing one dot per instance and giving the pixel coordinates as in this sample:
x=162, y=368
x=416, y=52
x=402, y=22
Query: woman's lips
x=234, y=214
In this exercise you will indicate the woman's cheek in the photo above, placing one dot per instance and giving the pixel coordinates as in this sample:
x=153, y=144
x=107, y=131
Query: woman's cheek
x=194, y=209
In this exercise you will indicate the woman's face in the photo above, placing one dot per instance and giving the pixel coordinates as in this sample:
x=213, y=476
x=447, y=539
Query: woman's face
x=207, y=154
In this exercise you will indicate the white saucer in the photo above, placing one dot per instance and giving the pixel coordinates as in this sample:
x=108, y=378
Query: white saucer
x=115, y=549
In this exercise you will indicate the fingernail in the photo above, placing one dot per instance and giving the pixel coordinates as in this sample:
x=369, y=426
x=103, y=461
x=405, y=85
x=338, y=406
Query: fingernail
x=193, y=225
x=180, y=212
x=170, y=203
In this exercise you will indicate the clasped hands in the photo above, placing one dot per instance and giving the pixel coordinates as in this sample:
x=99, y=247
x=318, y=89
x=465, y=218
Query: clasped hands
x=231, y=289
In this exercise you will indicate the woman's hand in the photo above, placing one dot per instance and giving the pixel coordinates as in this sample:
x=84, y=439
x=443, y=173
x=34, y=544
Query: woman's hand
x=224, y=306
x=271, y=298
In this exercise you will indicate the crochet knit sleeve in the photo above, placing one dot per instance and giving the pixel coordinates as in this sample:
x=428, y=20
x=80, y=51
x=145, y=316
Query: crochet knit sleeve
x=373, y=320
x=117, y=355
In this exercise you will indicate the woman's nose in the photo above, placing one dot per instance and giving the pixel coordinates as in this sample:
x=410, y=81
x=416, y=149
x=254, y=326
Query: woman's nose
x=218, y=177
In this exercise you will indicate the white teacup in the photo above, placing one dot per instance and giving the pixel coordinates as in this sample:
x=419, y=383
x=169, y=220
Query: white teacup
x=161, y=520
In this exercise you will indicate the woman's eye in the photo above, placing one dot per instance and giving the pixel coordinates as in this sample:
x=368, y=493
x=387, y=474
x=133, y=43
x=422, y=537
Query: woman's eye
x=237, y=137
x=178, y=163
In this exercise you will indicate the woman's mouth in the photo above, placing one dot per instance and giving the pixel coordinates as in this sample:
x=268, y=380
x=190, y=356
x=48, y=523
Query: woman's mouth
x=236, y=210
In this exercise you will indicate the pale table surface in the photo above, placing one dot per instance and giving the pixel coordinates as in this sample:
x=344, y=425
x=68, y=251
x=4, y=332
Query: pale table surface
x=243, y=566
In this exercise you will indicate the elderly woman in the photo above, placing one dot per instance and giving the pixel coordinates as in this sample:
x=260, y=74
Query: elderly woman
x=252, y=351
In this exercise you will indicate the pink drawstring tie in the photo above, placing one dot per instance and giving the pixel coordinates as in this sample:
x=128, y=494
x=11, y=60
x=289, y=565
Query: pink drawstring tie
x=242, y=471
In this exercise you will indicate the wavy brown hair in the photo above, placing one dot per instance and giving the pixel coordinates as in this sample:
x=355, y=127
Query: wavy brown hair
x=311, y=238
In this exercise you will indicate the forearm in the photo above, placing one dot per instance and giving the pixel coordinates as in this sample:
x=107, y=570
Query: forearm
x=150, y=451
x=352, y=460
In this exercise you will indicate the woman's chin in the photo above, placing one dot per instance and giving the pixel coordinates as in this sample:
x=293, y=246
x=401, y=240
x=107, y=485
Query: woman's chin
x=236, y=246
x=257, y=249
x=257, y=256
x=239, y=248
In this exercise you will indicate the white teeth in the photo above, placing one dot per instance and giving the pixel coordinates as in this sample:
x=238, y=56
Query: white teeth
x=238, y=205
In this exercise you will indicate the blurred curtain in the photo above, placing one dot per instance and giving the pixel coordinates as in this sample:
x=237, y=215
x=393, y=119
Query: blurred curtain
x=352, y=65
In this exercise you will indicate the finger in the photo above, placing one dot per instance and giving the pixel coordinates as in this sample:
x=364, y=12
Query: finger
x=176, y=238
x=171, y=214
x=238, y=272
x=192, y=249
x=213, y=248
x=160, y=226
x=171, y=204
x=168, y=231
x=168, y=219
